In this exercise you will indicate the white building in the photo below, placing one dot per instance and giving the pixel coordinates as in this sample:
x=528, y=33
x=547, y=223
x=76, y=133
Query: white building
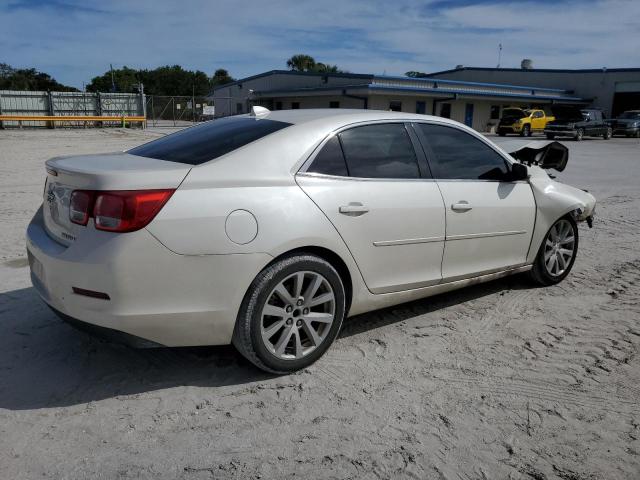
x=477, y=104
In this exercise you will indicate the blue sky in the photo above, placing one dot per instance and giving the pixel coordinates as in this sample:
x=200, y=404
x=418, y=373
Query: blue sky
x=75, y=40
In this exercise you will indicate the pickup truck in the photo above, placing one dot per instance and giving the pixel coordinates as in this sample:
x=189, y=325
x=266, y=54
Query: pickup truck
x=627, y=124
x=522, y=122
x=572, y=121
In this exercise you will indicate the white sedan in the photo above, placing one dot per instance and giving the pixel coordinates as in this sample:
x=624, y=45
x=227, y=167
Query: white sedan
x=266, y=230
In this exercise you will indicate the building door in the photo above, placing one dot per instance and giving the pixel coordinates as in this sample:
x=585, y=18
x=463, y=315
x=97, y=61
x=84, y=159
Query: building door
x=468, y=115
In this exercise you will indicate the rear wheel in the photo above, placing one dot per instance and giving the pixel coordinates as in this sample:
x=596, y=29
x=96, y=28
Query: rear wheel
x=501, y=132
x=557, y=253
x=526, y=131
x=550, y=136
x=579, y=134
x=608, y=133
x=291, y=314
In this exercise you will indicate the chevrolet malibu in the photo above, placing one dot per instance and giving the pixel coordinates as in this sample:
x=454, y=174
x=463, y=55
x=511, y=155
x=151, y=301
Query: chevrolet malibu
x=266, y=230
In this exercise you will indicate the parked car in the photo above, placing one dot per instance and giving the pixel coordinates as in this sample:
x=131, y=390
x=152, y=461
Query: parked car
x=627, y=124
x=267, y=230
x=522, y=122
x=574, y=122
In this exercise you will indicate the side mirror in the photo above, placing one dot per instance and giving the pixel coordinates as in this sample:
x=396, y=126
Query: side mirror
x=552, y=155
x=519, y=172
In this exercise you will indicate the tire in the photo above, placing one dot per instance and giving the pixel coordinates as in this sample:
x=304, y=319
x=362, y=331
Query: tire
x=579, y=135
x=526, y=131
x=637, y=134
x=291, y=345
x=608, y=133
x=546, y=272
x=502, y=133
x=550, y=136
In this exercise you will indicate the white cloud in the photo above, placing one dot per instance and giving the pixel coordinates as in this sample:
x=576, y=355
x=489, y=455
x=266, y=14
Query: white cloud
x=364, y=36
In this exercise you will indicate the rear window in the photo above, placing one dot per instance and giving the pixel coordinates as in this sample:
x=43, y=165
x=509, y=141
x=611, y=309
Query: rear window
x=209, y=140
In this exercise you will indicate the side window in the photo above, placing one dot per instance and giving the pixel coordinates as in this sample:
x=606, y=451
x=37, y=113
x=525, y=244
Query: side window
x=537, y=115
x=330, y=160
x=379, y=151
x=459, y=155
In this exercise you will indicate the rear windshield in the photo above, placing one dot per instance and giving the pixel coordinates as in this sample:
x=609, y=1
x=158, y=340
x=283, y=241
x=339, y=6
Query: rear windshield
x=209, y=140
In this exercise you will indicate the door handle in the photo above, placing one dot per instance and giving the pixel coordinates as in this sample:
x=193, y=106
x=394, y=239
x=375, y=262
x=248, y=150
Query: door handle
x=461, y=206
x=354, y=209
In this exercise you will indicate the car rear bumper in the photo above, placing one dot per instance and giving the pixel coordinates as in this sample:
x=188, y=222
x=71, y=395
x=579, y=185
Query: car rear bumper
x=153, y=293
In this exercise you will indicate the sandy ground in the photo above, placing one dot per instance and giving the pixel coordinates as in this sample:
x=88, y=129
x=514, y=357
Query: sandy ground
x=499, y=381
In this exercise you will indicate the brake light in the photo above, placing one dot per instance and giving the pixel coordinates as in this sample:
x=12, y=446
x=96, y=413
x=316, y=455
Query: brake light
x=118, y=211
x=80, y=206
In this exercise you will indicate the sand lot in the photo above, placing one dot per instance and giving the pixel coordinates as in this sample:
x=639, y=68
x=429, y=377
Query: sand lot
x=498, y=381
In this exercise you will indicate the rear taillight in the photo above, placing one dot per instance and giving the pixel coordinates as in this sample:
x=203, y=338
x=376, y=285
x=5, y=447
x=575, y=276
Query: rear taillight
x=80, y=206
x=118, y=211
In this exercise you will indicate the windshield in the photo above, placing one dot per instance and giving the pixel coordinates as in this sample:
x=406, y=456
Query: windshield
x=208, y=140
x=631, y=115
x=567, y=113
x=512, y=112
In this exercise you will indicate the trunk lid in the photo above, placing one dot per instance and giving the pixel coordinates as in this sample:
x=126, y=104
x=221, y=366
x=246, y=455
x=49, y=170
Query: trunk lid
x=117, y=171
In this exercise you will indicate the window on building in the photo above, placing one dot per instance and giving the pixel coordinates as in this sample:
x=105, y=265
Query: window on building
x=238, y=107
x=334, y=104
x=445, y=110
x=395, y=106
x=421, y=108
x=278, y=105
x=295, y=105
x=495, y=112
x=330, y=160
x=459, y=155
x=379, y=151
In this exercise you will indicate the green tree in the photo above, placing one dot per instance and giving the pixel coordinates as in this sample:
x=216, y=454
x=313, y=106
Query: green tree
x=29, y=79
x=306, y=63
x=221, y=77
x=414, y=74
x=166, y=80
x=301, y=63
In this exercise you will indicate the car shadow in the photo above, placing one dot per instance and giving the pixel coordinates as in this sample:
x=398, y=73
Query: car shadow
x=45, y=363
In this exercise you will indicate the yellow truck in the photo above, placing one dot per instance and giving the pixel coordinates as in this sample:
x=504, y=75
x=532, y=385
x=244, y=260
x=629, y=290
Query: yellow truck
x=522, y=122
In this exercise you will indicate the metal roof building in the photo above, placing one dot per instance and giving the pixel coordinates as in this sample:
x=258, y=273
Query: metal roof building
x=478, y=104
x=614, y=90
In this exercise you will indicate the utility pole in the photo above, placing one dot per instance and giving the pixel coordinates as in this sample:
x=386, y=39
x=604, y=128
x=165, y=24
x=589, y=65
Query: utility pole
x=113, y=83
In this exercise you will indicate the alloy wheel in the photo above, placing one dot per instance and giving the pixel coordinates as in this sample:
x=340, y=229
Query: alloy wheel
x=559, y=248
x=298, y=315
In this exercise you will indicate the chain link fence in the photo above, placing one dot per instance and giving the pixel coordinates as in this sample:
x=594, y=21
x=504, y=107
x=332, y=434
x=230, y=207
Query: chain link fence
x=174, y=111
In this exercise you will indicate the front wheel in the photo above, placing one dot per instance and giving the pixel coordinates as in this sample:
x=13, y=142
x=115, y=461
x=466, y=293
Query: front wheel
x=579, y=134
x=607, y=134
x=291, y=314
x=557, y=252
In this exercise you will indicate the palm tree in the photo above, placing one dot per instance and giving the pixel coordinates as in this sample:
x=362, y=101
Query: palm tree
x=301, y=63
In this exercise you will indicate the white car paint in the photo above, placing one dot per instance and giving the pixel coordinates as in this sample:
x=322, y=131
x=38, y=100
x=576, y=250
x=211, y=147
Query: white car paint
x=181, y=279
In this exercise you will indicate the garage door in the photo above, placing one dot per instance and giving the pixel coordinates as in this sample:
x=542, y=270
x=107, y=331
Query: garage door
x=626, y=97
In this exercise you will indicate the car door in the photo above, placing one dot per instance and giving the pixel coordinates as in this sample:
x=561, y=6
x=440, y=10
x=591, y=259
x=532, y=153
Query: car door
x=373, y=185
x=537, y=120
x=489, y=219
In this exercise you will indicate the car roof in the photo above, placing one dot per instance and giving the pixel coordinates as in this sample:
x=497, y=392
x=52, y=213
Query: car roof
x=343, y=116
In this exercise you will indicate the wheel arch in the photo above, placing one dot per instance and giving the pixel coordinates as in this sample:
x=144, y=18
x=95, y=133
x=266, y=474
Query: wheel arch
x=333, y=258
